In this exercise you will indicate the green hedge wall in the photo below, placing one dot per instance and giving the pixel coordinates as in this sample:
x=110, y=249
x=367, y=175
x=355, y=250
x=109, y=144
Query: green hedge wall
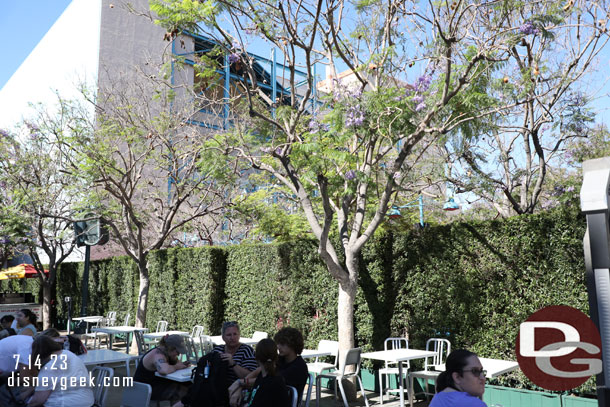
x=471, y=282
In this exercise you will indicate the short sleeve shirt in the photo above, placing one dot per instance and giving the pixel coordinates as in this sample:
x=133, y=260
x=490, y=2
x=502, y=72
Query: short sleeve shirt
x=456, y=399
x=68, y=379
x=244, y=357
x=13, y=347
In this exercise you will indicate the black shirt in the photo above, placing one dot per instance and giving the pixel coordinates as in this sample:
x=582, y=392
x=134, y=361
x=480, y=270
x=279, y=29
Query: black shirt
x=295, y=373
x=269, y=391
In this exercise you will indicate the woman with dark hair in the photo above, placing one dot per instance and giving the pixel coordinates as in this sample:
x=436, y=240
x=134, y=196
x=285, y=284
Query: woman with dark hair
x=26, y=322
x=462, y=384
x=269, y=389
x=63, y=379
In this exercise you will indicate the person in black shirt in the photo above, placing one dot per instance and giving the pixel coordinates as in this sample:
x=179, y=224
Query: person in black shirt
x=269, y=388
x=290, y=364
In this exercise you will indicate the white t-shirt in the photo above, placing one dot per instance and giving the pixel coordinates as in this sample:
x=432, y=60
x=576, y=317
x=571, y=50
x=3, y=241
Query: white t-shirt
x=12, y=347
x=67, y=376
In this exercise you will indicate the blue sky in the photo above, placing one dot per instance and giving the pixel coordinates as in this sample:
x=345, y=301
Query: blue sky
x=23, y=23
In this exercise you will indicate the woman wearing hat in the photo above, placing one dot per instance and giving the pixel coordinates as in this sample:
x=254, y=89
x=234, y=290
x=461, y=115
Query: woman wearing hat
x=163, y=359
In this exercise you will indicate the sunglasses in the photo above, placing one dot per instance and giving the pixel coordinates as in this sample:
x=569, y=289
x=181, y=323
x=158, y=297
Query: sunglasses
x=477, y=372
x=229, y=324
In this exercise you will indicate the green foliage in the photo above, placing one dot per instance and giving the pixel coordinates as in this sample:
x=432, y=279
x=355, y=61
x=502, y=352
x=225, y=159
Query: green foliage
x=471, y=282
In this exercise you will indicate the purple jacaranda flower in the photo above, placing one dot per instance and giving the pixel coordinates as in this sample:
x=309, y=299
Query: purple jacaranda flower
x=234, y=57
x=266, y=149
x=350, y=175
x=420, y=106
x=570, y=189
x=354, y=116
x=417, y=99
x=423, y=83
x=278, y=151
x=4, y=133
x=528, y=28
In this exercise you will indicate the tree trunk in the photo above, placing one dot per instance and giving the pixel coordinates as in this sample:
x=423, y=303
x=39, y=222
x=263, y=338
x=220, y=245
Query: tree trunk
x=142, y=296
x=345, y=323
x=46, y=304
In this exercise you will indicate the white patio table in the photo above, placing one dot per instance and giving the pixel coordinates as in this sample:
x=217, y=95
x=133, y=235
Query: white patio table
x=182, y=375
x=313, y=353
x=94, y=319
x=217, y=340
x=113, y=330
x=398, y=356
x=105, y=356
x=159, y=335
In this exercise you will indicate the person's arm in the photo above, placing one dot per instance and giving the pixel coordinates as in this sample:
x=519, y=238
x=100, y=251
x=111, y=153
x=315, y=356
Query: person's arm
x=39, y=398
x=165, y=368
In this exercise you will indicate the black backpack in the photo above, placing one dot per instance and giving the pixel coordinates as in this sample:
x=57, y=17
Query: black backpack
x=210, y=391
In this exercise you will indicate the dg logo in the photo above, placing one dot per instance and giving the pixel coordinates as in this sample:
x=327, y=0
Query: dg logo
x=559, y=348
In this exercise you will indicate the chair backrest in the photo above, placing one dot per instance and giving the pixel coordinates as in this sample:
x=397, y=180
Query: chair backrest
x=352, y=358
x=142, y=345
x=197, y=331
x=310, y=383
x=137, y=395
x=126, y=320
x=442, y=348
x=258, y=335
x=329, y=346
x=111, y=318
x=206, y=344
x=101, y=323
x=162, y=326
x=293, y=394
x=100, y=389
x=396, y=343
x=191, y=349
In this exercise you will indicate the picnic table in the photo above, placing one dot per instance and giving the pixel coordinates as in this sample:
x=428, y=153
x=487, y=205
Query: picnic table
x=106, y=356
x=114, y=330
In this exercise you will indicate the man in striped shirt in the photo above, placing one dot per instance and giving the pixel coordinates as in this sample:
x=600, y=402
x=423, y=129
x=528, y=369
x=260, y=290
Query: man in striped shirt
x=240, y=357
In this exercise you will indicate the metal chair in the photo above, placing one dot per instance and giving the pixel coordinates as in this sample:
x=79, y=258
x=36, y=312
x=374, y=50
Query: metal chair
x=197, y=331
x=111, y=318
x=191, y=350
x=351, y=358
x=325, y=346
x=162, y=326
x=206, y=344
x=309, y=387
x=293, y=394
x=123, y=337
x=258, y=335
x=137, y=395
x=143, y=347
x=97, y=336
x=100, y=389
x=442, y=348
x=391, y=368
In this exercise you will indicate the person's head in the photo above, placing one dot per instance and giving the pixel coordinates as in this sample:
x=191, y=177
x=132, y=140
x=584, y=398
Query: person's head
x=52, y=333
x=266, y=355
x=172, y=346
x=289, y=342
x=25, y=317
x=6, y=321
x=43, y=346
x=463, y=372
x=230, y=334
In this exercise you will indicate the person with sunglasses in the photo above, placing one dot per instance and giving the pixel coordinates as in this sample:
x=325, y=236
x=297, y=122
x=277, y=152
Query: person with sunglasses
x=462, y=384
x=240, y=357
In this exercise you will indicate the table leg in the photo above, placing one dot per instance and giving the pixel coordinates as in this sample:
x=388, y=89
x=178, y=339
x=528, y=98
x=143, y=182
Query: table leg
x=411, y=391
x=401, y=385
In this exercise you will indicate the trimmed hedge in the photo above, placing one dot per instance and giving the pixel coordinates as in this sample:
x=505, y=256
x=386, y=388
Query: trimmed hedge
x=471, y=282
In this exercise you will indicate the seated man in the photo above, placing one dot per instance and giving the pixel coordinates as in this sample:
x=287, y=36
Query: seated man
x=163, y=359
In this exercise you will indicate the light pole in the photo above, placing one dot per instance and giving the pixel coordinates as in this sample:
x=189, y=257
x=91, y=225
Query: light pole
x=395, y=211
